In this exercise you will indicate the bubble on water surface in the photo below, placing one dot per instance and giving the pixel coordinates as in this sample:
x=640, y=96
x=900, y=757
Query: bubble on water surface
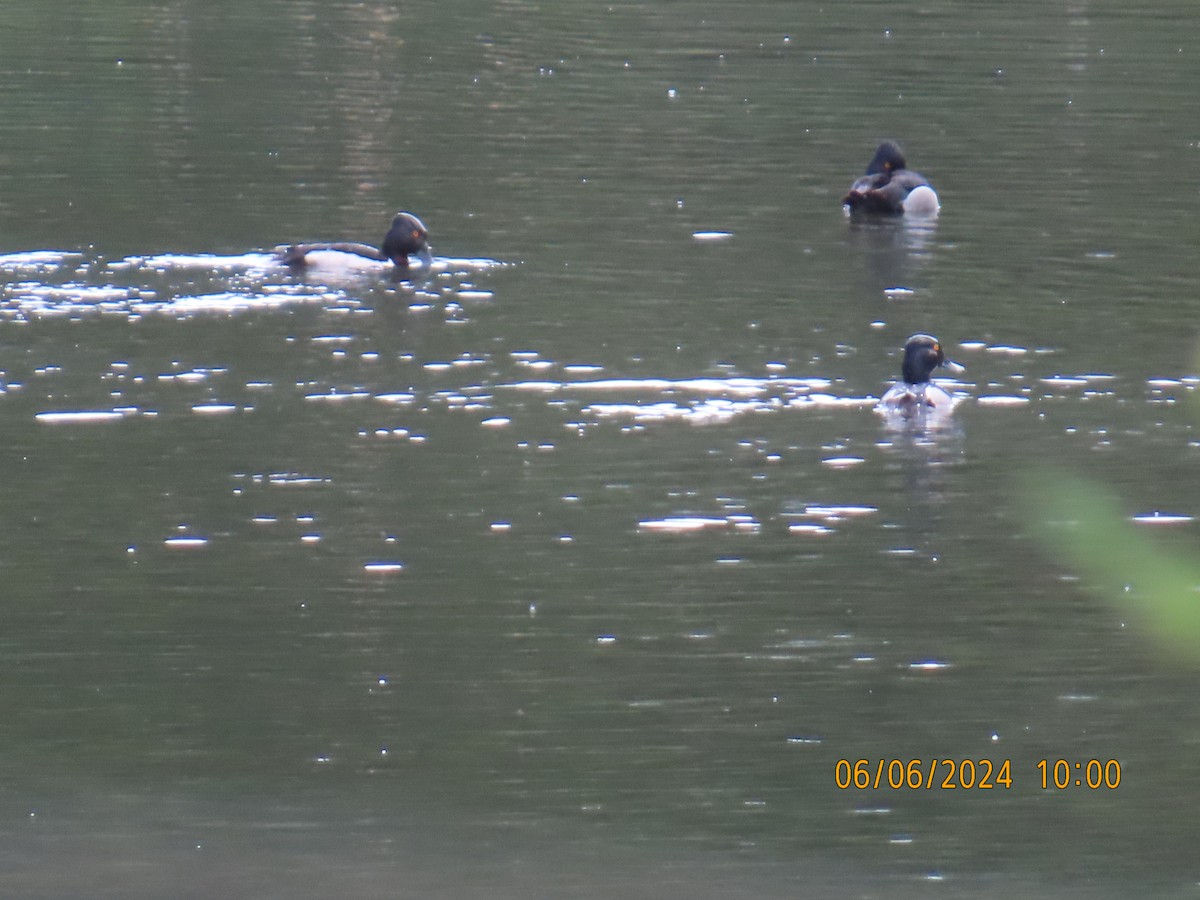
x=1001, y=400
x=717, y=400
x=809, y=528
x=682, y=524
x=842, y=462
x=1161, y=518
x=83, y=417
x=1064, y=381
x=399, y=399
x=164, y=262
x=291, y=479
x=185, y=543
x=39, y=260
x=333, y=395
x=837, y=513
x=240, y=283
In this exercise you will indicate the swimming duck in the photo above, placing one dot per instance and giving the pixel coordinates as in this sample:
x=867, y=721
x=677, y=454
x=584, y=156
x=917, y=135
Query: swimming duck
x=407, y=237
x=915, y=395
x=890, y=188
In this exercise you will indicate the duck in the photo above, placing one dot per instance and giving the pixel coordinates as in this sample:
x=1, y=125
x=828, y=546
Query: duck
x=891, y=188
x=406, y=237
x=915, y=395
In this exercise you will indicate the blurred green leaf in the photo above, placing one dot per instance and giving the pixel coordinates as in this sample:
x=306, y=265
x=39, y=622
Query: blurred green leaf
x=1085, y=525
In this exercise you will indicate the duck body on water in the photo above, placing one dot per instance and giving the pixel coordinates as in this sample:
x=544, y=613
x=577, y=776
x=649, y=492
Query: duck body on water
x=890, y=188
x=407, y=237
x=915, y=396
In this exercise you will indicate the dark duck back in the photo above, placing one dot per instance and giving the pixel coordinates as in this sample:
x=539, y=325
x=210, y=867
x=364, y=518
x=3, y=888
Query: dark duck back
x=890, y=188
x=406, y=237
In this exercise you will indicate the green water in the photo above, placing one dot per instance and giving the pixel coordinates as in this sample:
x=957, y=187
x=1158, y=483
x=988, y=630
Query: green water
x=523, y=581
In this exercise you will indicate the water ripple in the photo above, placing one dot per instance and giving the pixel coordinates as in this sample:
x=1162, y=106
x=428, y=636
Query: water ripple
x=54, y=283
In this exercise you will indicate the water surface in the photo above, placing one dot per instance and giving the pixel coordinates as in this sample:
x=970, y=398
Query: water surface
x=575, y=567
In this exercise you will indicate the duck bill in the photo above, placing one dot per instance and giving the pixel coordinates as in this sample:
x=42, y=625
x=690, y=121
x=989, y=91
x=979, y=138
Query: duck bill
x=425, y=255
x=951, y=366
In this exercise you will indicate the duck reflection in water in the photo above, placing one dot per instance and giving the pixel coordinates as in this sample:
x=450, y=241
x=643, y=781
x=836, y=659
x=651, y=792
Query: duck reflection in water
x=915, y=402
x=406, y=238
x=889, y=254
x=926, y=444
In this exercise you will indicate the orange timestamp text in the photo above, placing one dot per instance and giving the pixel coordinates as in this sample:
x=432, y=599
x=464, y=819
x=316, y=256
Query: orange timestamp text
x=971, y=774
x=923, y=774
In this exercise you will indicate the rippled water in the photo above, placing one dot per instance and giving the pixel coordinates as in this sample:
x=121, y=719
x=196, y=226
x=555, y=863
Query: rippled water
x=575, y=565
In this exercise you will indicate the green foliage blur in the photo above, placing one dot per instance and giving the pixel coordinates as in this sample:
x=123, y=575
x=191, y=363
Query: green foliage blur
x=1157, y=590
